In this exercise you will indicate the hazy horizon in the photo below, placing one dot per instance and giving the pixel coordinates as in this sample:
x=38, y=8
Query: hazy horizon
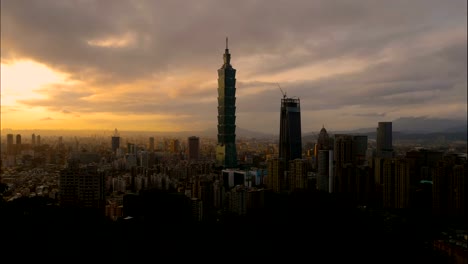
x=415, y=125
x=152, y=65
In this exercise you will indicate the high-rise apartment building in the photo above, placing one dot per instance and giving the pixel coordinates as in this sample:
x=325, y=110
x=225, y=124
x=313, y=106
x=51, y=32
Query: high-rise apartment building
x=360, y=149
x=343, y=161
x=449, y=187
x=351, y=176
x=323, y=170
x=196, y=205
x=298, y=174
x=276, y=176
x=402, y=183
x=237, y=202
x=82, y=186
x=193, y=148
x=424, y=162
x=226, y=153
x=290, y=142
x=389, y=183
x=459, y=183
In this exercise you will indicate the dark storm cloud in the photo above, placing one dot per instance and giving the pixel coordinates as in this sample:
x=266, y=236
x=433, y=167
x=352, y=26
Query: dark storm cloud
x=434, y=76
x=439, y=75
x=413, y=52
x=172, y=34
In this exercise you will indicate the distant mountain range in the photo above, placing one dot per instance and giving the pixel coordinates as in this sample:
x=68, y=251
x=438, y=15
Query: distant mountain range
x=422, y=125
x=402, y=127
x=409, y=128
x=240, y=133
x=208, y=133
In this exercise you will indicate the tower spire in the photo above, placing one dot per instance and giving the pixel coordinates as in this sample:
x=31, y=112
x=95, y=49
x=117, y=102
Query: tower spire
x=227, y=56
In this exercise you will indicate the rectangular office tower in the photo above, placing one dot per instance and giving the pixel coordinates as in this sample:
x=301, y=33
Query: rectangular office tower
x=115, y=141
x=226, y=153
x=193, y=148
x=290, y=142
x=384, y=140
x=10, y=146
x=151, y=144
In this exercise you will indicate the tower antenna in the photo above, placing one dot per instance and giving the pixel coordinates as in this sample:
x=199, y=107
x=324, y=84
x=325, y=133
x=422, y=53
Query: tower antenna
x=284, y=94
x=226, y=42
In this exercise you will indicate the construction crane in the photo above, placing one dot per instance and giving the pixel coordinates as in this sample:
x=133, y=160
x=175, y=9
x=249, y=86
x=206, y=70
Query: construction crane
x=284, y=94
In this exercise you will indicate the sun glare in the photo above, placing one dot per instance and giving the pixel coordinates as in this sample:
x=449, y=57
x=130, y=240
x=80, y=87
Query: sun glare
x=21, y=79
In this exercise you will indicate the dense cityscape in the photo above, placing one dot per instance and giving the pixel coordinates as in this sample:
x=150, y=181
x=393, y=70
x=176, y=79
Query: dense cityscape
x=339, y=196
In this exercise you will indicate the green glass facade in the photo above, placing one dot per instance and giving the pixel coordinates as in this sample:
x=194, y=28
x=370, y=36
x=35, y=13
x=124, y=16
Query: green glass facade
x=226, y=153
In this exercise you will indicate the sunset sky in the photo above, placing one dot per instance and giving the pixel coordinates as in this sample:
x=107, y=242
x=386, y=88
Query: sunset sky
x=152, y=65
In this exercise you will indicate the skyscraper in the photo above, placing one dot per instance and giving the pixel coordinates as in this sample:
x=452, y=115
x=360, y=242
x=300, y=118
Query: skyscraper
x=351, y=176
x=115, y=141
x=384, y=140
x=360, y=148
x=343, y=162
x=323, y=171
x=226, y=153
x=151, y=144
x=193, y=148
x=9, y=146
x=18, y=144
x=174, y=146
x=290, y=142
x=323, y=143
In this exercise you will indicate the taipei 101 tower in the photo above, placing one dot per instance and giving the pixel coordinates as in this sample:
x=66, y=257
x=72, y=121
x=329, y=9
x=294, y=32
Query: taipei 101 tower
x=226, y=154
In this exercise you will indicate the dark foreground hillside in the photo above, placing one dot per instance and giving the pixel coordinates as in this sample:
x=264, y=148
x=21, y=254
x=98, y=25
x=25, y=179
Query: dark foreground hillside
x=316, y=228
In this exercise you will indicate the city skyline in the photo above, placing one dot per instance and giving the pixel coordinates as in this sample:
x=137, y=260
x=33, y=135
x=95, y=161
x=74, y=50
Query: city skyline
x=69, y=65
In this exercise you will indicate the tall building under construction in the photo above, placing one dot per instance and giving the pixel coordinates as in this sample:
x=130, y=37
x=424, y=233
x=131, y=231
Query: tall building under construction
x=290, y=141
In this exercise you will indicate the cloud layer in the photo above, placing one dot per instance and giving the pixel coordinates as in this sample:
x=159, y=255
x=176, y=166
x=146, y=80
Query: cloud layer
x=351, y=63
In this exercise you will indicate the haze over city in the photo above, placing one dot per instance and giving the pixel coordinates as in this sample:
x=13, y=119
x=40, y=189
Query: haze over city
x=165, y=130
x=151, y=65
